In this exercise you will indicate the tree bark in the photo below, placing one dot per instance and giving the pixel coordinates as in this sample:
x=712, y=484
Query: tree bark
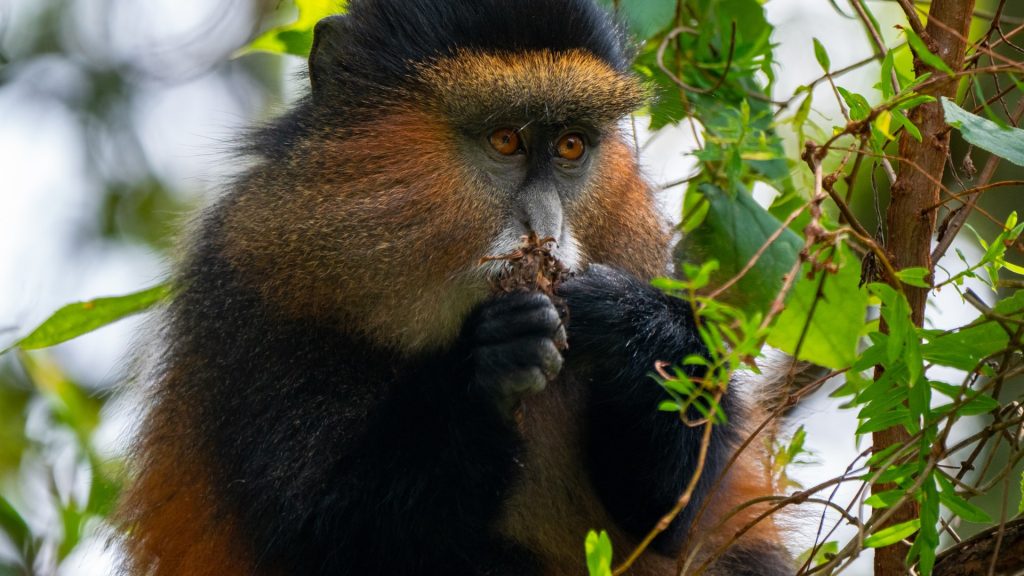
x=910, y=225
x=974, y=556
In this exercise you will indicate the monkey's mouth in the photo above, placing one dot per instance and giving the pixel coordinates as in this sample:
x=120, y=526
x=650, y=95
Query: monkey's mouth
x=511, y=249
x=531, y=266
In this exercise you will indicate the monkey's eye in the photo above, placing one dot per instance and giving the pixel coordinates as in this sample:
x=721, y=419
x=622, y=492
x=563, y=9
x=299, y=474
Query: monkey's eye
x=571, y=146
x=505, y=141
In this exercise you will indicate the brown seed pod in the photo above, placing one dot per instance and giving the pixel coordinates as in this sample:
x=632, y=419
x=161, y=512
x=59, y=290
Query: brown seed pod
x=532, y=266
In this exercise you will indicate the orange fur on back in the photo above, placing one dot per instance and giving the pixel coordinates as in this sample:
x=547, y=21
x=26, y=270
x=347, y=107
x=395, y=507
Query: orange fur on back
x=173, y=521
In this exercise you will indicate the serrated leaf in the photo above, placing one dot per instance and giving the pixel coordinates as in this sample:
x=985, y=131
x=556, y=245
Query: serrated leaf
x=79, y=318
x=1005, y=142
x=892, y=534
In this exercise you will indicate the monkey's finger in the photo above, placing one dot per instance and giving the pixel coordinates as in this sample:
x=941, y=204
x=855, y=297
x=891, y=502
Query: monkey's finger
x=539, y=319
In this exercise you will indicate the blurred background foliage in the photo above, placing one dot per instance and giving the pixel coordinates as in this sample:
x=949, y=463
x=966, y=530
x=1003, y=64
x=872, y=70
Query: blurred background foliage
x=149, y=98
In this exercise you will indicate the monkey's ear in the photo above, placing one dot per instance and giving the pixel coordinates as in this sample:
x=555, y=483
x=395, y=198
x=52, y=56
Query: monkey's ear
x=328, y=35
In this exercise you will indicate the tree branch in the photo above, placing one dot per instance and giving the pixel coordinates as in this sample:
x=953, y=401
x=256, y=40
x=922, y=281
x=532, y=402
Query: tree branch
x=974, y=555
x=909, y=221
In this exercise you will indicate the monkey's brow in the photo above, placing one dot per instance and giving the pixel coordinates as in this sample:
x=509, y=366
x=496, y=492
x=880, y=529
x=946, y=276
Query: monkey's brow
x=525, y=126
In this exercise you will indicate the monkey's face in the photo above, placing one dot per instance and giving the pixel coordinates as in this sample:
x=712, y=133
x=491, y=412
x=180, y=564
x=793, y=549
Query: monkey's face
x=381, y=223
x=532, y=131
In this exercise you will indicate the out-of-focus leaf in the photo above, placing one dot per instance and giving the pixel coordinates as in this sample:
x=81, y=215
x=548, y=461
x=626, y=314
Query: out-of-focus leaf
x=599, y=553
x=296, y=38
x=1020, y=506
x=645, y=17
x=892, y=534
x=838, y=317
x=822, y=56
x=72, y=520
x=1005, y=142
x=71, y=405
x=825, y=552
x=735, y=228
x=79, y=318
x=14, y=526
x=859, y=106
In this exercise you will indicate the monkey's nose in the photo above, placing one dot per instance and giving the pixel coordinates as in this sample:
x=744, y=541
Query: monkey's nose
x=540, y=211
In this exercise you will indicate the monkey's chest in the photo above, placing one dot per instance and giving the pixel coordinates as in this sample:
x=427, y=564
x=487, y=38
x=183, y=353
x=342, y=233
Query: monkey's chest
x=553, y=503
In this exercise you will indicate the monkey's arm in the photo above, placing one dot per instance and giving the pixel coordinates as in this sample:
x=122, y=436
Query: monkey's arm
x=641, y=459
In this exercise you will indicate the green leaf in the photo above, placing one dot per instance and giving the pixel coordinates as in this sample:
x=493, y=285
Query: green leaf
x=296, y=37
x=14, y=526
x=914, y=277
x=904, y=122
x=892, y=534
x=1005, y=142
x=645, y=17
x=884, y=499
x=859, y=106
x=885, y=82
x=822, y=56
x=79, y=318
x=922, y=52
x=1020, y=505
x=668, y=406
x=966, y=347
x=599, y=554
x=838, y=316
x=980, y=404
x=957, y=505
x=735, y=228
x=927, y=540
x=824, y=553
x=883, y=421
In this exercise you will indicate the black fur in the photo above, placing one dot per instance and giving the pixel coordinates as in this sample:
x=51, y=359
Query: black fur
x=754, y=559
x=378, y=42
x=360, y=59
x=339, y=456
x=342, y=457
x=640, y=458
x=345, y=458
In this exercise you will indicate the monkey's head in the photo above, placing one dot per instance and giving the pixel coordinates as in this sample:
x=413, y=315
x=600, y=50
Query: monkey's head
x=438, y=132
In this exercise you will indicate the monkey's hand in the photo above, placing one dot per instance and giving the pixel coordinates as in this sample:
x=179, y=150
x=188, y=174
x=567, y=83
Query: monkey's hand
x=622, y=325
x=513, y=342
